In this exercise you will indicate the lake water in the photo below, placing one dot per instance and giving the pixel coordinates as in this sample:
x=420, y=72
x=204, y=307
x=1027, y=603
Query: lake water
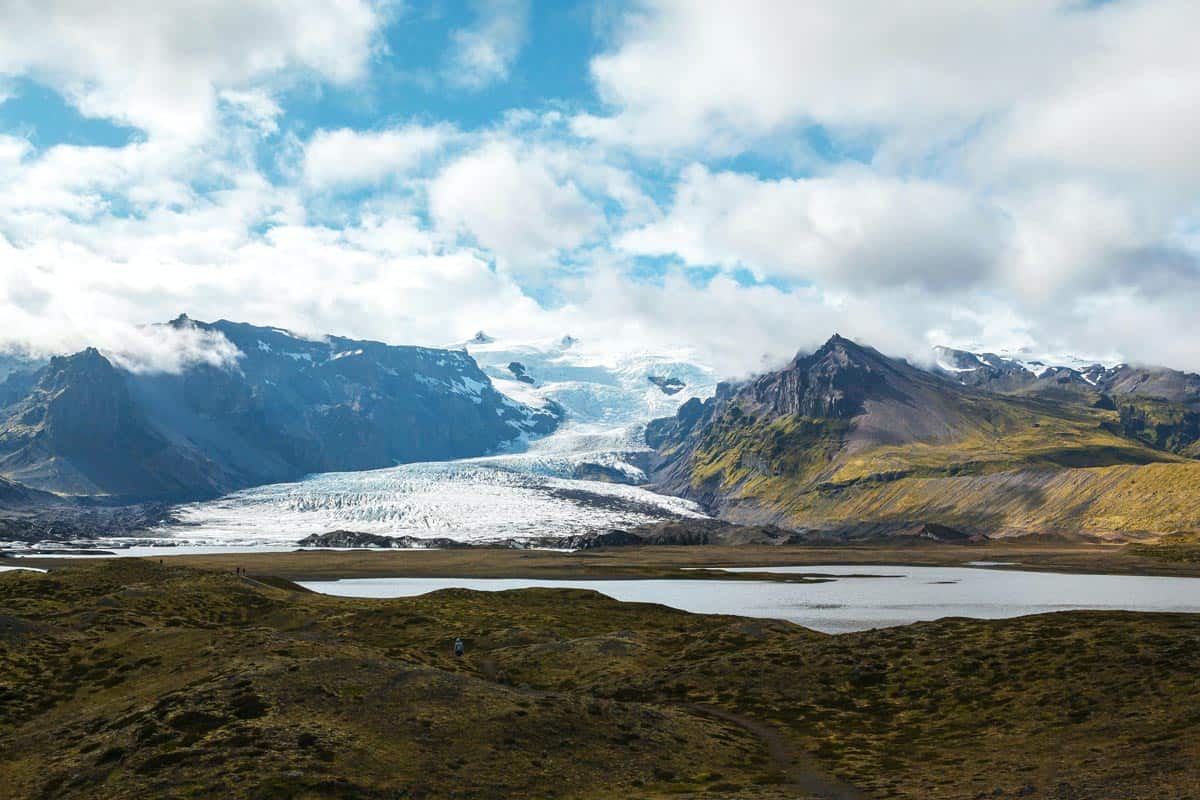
x=909, y=594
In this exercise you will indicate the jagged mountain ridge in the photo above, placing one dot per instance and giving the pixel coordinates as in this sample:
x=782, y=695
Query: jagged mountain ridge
x=290, y=406
x=998, y=373
x=1157, y=405
x=849, y=438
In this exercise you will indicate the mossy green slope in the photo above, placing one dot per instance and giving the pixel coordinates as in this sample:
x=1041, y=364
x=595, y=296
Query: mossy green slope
x=921, y=449
x=131, y=680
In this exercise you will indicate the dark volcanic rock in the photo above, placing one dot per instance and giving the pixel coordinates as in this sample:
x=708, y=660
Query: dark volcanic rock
x=374, y=540
x=589, y=541
x=684, y=533
x=938, y=533
x=588, y=471
x=65, y=520
x=520, y=373
x=669, y=386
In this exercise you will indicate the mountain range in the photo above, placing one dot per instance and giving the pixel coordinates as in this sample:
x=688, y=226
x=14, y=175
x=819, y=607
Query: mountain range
x=81, y=425
x=847, y=440
x=843, y=441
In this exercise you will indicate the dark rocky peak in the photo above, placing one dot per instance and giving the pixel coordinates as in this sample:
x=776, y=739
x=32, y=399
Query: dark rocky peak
x=520, y=372
x=87, y=364
x=569, y=341
x=481, y=338
x=840, y=353
x=669, y=386
x=81, y=401
x=832, y=382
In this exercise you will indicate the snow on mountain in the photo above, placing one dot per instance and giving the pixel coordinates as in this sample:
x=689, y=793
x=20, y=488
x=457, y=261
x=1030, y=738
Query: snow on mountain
x=958, y=360
x=580, y=478
x=591, y=384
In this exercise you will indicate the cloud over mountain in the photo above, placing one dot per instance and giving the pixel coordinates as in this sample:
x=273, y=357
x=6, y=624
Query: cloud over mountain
x=740, y=177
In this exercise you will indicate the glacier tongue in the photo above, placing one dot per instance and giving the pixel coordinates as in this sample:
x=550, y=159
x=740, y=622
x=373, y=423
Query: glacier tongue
x=460, y=500
x=531, y=490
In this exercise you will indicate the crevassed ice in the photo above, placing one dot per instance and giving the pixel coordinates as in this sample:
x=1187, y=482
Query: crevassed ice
x=526, y=491
x=460, y=500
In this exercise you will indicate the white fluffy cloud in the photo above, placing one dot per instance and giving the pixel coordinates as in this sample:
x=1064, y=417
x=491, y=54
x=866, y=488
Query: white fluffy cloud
x=347, y=158
x=852, y=229
x=719, y=73
x=1046, y=83
x=384, y=279
x=513, y=203
x=483, y=53
x=160, y=66
x=1027, y=179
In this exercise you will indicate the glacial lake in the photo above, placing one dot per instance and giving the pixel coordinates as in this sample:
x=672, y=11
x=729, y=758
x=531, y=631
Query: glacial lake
x=906, y=595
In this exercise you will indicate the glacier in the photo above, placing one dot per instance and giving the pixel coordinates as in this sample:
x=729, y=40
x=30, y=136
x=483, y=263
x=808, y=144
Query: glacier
x=534, y=488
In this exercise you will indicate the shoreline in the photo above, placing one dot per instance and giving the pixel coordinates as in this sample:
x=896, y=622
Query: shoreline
x=658, y=562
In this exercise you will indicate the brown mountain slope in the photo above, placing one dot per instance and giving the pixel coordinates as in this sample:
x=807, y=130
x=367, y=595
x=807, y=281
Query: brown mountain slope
x=847, y=439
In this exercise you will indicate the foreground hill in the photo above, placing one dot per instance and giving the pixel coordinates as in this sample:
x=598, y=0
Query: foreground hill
x=133, y=680
x=849, y=440
x=81, y=425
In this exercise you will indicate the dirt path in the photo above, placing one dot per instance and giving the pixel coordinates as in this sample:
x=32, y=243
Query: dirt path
x=803, y=774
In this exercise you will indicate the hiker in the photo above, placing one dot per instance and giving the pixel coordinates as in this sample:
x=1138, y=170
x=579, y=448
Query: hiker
x=458, y=647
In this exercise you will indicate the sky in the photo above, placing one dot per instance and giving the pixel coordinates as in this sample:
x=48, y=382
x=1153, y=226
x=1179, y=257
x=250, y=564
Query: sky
x=738, y=177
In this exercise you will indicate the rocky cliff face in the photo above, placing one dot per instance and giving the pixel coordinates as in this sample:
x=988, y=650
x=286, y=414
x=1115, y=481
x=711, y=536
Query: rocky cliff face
x=290, y=406
x=80, y=431
x=848, y=439
x=833, y=382
x=998, y=374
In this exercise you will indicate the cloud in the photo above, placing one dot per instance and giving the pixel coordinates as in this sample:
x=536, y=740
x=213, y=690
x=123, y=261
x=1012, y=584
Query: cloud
x=853, y=229
x=384, y=278
x=514, y=203
x=1039, y=83
x=347, y=158
x=1023, y=175
x=163, y=348
x=255, y=107
x=771, y=64
x=483, y=53
x=160, y=66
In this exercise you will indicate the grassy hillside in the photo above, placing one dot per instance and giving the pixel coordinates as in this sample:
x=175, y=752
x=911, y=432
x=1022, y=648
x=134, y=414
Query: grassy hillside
x=131, y=680
x=920, y=449
x=1043, y=471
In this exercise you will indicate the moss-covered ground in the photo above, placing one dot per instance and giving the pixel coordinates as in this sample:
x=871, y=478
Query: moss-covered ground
x=128, y=679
